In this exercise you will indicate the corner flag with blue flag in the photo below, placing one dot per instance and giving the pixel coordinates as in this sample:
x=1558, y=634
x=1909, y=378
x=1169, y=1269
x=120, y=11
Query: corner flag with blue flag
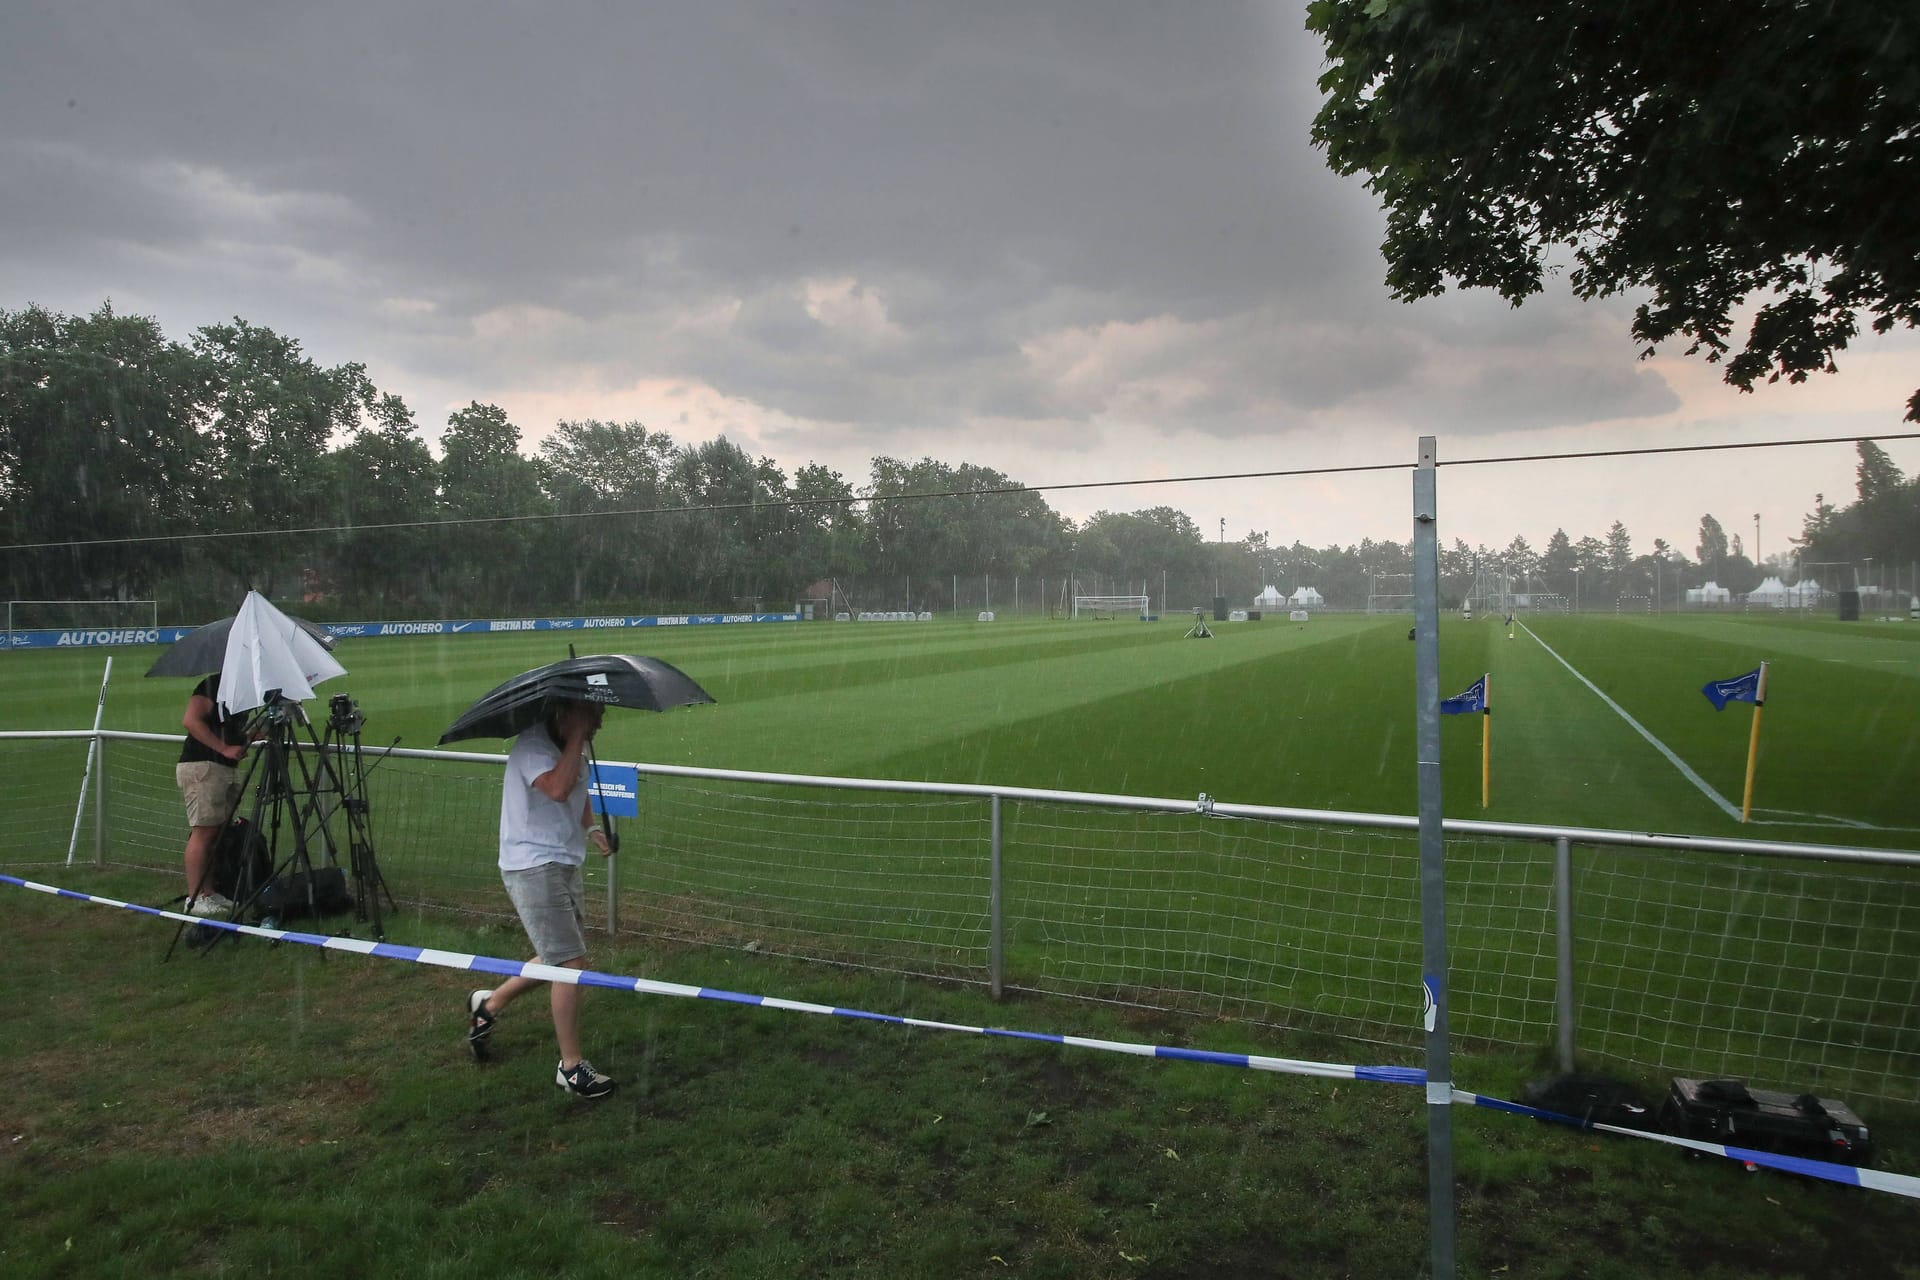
x=1744, y=688
x=1477, y=698
x=1474, y=699
x=1751, y=687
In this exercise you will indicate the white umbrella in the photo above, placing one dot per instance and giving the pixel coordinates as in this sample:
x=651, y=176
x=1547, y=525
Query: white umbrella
x=268, y=653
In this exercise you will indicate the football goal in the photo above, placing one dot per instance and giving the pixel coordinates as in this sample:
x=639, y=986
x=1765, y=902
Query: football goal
x=1389, y=593
x=1112, y=607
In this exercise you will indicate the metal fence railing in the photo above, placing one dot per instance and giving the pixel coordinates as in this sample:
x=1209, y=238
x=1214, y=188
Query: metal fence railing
x=1786, y=963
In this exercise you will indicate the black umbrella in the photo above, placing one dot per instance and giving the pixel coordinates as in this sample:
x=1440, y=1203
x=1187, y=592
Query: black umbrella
x=203, y=650
x=610, y=679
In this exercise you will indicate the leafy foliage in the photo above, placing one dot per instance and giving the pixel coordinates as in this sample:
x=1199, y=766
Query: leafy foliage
x=1708, y=153
x=1883, y=526
x=133, y=466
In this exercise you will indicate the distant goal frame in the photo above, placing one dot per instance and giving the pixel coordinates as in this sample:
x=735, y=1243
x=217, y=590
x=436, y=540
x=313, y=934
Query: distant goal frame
x=1101, y=608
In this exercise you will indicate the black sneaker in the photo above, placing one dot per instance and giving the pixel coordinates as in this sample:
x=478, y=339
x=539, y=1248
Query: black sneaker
x=582, y=1081
x=479, y=1025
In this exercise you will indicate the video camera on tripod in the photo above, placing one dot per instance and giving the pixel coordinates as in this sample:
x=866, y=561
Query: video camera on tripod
x=285, y=857
x=309, y=809
x=344, y=717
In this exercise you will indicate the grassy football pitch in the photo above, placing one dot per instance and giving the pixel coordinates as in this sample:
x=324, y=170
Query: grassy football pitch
x=753, y=1143
x=1315, y=715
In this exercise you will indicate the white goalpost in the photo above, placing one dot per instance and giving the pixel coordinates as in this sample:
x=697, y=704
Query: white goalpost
x=1389, y=593
x=1112, y=607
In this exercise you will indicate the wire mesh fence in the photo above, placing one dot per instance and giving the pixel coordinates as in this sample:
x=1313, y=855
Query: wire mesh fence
x=1790, y=970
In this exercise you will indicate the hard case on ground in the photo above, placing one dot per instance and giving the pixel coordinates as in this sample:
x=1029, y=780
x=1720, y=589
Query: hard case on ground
x=1730, y=1113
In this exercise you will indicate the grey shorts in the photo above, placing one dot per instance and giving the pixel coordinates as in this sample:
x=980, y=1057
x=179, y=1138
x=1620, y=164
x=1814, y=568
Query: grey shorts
x=211, y=790
x=550, y=899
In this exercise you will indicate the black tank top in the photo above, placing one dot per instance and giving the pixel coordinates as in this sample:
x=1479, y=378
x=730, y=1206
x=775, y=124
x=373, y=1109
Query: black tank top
x=232, y=729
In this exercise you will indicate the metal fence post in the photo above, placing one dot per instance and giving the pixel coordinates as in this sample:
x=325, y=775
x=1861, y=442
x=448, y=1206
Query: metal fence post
x=1563, y=968
x=613, y=872
x=613, y=894
x=996, y=941
x=100, y=800
x=1433, y=875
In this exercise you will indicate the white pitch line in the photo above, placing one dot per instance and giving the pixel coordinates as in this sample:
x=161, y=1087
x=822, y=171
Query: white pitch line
x=1686, y=772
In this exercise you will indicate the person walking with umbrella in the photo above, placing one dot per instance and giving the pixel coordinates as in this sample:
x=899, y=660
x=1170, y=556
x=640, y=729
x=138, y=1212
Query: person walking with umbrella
x=547, y=820
x=546, y=824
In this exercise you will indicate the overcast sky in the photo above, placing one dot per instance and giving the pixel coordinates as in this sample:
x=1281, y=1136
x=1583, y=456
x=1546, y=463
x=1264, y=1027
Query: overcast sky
x=1069, y=241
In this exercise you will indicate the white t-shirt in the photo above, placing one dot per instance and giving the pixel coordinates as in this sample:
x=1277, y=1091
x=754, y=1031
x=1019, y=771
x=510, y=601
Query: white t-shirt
x=534, y=829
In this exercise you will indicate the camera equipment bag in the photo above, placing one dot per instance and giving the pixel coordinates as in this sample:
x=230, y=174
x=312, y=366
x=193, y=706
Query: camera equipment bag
x=241, y=861
x=294, y=894
x=1591, y=1099
x=1728, y=1112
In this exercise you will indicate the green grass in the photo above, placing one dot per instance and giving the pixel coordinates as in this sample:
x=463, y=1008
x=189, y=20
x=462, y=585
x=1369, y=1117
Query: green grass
x=1313, y=716
x=256, y=1109
x=1840, y=734
x=755, y=1143
x=846, y=700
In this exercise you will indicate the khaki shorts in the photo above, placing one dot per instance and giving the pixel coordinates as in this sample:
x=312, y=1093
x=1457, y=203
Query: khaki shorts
x=550, y=898
x=212, y=790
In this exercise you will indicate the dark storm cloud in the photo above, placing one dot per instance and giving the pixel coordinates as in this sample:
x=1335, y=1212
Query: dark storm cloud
x=481, y=192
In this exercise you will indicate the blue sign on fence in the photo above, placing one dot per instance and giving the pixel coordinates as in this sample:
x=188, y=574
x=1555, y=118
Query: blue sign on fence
x=616, y=789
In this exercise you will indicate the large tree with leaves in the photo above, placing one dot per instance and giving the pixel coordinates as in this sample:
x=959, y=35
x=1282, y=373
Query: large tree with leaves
x=1878, y=477
x=271, y=415
x=1705, y=152
x=384, y=476
x=496, y=558
x=1713, y=546
x=737, y=505
x=1128, y=548
x=96, y=442
x=591, y=466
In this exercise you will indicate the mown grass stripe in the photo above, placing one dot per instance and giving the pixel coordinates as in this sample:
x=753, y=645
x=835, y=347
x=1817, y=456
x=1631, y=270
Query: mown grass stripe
x=1686, y=772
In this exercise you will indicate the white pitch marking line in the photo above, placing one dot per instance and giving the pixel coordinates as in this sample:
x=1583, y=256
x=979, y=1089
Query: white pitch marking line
x=1686, y=772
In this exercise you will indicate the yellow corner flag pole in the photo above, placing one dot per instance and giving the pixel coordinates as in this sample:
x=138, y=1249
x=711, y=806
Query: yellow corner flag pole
x=1486, y=736
x=1753, y=742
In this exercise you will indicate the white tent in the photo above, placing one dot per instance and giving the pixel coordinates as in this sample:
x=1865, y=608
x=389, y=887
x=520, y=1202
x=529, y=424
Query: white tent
x=1307, y=598
x=1804, y=593
x=1711, y=593
x=1269, y=599
x=1771, y=592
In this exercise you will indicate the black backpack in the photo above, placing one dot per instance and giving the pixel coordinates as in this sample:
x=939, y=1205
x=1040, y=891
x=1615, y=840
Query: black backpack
x=241, y=861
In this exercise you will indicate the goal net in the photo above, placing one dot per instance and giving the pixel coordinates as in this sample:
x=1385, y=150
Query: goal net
x=1390, y=593
x=1111, y=607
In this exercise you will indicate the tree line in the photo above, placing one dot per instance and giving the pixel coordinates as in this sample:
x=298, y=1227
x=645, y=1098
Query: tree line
x=133, y=466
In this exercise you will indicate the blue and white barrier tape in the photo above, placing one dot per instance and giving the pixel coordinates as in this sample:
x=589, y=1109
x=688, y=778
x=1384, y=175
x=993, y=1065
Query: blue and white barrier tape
x=1899, y=1184
x=1872, y=1180
x=647, y=986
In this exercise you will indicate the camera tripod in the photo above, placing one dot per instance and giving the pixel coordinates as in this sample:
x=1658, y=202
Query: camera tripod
x=314, y=792
x=342, y=761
